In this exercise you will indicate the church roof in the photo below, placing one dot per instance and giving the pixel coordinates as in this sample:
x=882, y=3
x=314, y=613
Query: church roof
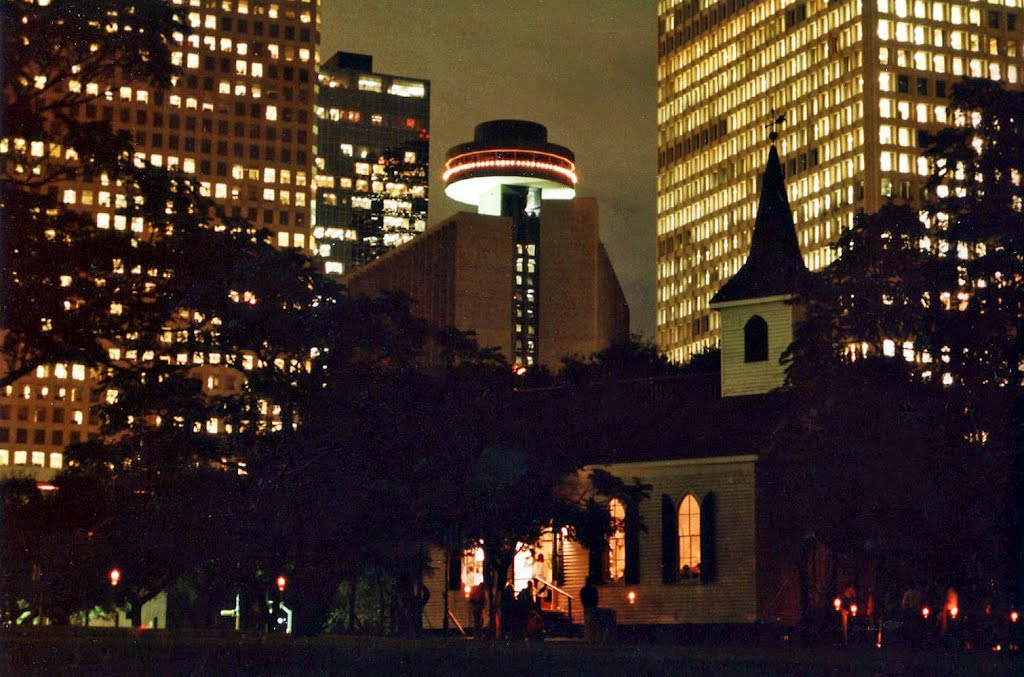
x=774, y=265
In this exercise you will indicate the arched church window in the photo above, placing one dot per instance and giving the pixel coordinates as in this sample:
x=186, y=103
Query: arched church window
x=755, y=340
x=689, y=537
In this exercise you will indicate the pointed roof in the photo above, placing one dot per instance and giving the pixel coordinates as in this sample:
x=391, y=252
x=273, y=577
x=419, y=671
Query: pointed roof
x=774, y=266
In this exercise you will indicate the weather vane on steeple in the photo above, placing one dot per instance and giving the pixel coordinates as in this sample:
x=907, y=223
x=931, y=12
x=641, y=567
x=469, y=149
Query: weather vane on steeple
x=774, y=134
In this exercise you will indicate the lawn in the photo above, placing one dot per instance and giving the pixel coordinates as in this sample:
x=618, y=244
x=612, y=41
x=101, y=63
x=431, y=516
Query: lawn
x=48, y=651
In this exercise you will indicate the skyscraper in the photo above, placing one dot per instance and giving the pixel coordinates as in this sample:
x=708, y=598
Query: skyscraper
x=372, y=164
x=527, y=272
x=239, y=118
x=853, y=89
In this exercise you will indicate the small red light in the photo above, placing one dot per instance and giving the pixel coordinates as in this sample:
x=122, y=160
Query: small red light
x=1014, y=616
x=853, y=609
x=837, y=603
x=281, y=583
x=115, y=577
x=954, y=611
x=46, y=487
x=632, y=597
x=925, y=611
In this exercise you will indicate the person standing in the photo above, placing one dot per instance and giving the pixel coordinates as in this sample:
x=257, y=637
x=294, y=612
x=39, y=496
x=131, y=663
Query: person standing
x=508, y=610
x=477, y=602
x=589, y=598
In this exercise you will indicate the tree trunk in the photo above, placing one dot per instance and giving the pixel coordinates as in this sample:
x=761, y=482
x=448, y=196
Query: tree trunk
x=352, y=604
x=135, y=614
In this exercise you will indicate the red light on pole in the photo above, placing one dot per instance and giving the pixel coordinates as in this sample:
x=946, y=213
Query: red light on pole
x=853, y=609
x=954, y=611
x=281, y=583
x=925, y=611
x=837, y=603
x=115, y=577
x=1014, y=616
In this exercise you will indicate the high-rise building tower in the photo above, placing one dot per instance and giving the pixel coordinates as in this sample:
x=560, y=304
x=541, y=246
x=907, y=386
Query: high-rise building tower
x=527, y=273
x=860, y=86
x=507, y=170
x=372, y=171
x=239, y=118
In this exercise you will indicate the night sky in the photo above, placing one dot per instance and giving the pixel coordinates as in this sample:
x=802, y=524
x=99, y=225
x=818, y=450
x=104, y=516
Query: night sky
x=583, y=68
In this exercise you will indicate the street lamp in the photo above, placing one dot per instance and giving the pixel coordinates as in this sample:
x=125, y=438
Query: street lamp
x=115, y=578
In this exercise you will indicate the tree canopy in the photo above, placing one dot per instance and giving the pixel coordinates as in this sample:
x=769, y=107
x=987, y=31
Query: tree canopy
x=906, y=372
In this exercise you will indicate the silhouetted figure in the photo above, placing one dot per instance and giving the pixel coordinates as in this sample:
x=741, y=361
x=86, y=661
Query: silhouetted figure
x=477, y=602
x=507, y=606
x=589, y=599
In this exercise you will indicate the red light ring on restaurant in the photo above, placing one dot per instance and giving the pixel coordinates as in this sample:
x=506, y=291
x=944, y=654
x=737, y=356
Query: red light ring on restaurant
x=510, y=161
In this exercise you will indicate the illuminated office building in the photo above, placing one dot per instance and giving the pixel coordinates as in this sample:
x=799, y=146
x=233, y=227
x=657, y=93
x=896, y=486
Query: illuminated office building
x=240, y=117
x=861, y=86
x=372, y=167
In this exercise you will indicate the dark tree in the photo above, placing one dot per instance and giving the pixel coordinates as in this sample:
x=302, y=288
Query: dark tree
x=54, y=300
x=906, y=371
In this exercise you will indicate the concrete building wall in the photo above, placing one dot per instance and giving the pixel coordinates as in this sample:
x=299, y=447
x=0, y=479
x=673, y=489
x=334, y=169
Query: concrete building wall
x=753, y=378
x=612, y=309
x=457, y=274
x=582, y=308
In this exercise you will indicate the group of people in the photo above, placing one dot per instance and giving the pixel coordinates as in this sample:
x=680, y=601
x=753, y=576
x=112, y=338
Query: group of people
x=518, y=615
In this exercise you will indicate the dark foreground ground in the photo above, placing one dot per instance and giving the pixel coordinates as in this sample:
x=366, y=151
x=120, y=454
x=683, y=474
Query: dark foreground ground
x=45, y=651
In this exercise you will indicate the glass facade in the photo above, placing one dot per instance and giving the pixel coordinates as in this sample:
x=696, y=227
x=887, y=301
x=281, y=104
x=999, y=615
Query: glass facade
x=372, y=169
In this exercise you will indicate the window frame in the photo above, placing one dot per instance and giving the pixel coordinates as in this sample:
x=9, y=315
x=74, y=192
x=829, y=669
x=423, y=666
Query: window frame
x=689, y=541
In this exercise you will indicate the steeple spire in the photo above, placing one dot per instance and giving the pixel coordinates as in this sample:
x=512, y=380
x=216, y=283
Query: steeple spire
x=774, y=266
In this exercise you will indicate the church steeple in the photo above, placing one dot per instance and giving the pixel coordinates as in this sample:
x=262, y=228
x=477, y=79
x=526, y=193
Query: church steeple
x=755, y=307
x=774, y=265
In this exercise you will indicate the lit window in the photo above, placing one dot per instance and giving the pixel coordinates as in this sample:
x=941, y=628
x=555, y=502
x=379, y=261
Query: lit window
x=408, y=89
x=192, y=60
x=617, y=541
x=78, y=372
x=370, y=84
x=689, y=537
x=472, y=570
x=272, y=112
